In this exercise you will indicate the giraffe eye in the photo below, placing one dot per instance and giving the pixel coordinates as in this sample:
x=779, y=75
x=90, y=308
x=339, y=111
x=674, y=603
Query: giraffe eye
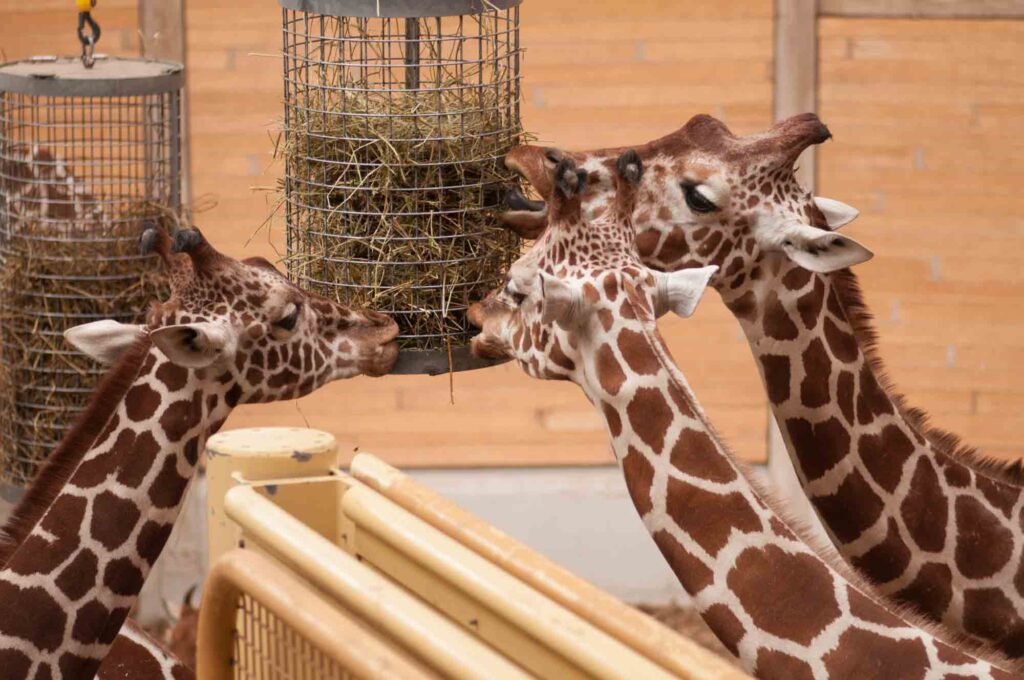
x=288, y=321
x=696, y=201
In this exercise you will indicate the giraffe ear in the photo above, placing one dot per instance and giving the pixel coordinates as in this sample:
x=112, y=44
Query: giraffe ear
x=106, y=340
x=680, y=291
x=822, y=251
x=837, y=214
x=195, y=345
x=560, y=300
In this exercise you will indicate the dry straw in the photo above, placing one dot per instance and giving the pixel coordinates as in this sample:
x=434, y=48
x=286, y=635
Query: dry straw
x=393, y=177
x=50, y=281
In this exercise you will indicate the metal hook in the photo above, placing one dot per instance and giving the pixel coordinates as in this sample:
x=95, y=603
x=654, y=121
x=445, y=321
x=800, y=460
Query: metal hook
x=88, y=41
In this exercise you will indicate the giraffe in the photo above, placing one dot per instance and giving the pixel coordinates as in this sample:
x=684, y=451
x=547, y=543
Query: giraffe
x=41, y=187
x=84, y=537
x=581, y=306
x=928, y=521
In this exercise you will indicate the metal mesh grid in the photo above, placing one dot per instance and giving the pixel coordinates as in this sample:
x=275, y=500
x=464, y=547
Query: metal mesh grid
x=267, y=648
x=79, y=177
x=395, y=130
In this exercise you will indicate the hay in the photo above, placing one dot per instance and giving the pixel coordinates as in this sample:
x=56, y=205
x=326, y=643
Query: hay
x=51, y=281
x=392, y=193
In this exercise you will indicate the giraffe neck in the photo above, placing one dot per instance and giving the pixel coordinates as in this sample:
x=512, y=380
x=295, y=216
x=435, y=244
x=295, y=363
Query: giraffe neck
x=67, y=588
x=770, y=599
x=928, y=526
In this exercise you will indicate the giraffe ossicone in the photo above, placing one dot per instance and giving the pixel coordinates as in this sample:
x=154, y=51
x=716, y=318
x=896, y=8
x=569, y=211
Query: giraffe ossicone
x=783, y=610
x=83, y=539
x=928, y=521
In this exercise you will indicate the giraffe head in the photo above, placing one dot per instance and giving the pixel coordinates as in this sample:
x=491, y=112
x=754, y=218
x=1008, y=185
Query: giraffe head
x=581, y=295
x=248, y=324
x=709, y=197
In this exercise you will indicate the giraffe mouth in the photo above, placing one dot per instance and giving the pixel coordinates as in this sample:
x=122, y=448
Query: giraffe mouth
x=382, y=362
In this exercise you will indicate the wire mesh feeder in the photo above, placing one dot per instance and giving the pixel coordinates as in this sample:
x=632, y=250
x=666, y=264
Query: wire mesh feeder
x=397, y=117
x=87, y=158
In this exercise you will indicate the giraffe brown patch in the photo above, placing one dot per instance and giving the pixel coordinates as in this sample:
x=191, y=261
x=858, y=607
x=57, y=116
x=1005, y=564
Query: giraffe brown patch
x=775, y=664
x=777, y=323
x=639, y=475
x=609, y=371
x=886, y=560
x=956, y=475
x=809, y=305
x=680, y=399
x=796, y=278
x=168, y=487
x=984, y=546
x=151, y=540
x=136, y=459
x=814, y=390
x=989, y=614
x=611, y=287
x=709, y=518
x=113, y=520
x=141, y=402
x=649, y=415
x=853, y=508
x=843, y=344
x=776, y=376
x=866, y=609
x=1000, y=495
x=606, y=318
x=674, y=247
x=693, y=574
x=819, y=446
x=863, y=654
x=40, y=619
x=133, y=655
x=114, y=622
x=14, y=663
x=174, y=377
x=885, y=454
x=931, y=590
x=90, y=620
x=744, y=306
x=925, y=509
x=872, y=400
x=43, y=672
x=724, y=624
x=834, y=305
x=695, y=454
x=123, y=577
x=79, y=576
x=636, y=350
x=612, y=418
x=708, y=245
x=647, y=243
x=75, y=666
x=844, y=395
x=559, y=358
x=798, y=605
x=63, y=520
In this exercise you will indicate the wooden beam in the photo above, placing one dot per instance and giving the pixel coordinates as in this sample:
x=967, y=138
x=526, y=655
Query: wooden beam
x=923, y=9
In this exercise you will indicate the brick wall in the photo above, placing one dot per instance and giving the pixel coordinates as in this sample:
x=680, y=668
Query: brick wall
x=917, y=148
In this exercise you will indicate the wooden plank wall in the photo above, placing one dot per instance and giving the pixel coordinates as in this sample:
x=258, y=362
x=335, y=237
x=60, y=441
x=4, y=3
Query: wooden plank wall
x=608, y=72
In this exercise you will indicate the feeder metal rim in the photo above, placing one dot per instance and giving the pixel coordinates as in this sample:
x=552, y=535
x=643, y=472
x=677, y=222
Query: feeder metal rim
x=109, y=77
x=397, y=9
x=435, y=362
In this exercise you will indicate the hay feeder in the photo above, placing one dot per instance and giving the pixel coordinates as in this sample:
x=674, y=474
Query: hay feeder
x=89, y=156
x=398, y=114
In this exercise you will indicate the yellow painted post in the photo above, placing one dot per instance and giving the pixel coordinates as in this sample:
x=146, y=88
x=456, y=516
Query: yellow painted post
x=258, y=454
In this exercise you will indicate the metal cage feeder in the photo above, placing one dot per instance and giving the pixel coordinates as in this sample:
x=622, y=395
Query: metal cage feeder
x=398, y=114
x=88, y=158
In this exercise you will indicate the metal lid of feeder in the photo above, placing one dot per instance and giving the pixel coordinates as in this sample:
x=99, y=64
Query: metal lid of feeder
x=397, y=8
x=109, y=77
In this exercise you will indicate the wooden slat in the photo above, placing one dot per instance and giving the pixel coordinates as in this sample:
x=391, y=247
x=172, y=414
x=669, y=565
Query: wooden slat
x=921, y=9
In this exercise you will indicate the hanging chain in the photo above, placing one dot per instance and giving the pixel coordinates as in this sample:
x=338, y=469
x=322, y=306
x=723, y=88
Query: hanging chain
x=88, y=41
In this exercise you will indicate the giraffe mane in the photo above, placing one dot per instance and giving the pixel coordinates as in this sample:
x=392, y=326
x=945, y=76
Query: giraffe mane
x=822, y=548
x=61, y=464
x=862, y=323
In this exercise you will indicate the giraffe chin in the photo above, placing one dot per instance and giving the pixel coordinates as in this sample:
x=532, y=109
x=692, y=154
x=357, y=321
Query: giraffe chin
x=381, y=362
